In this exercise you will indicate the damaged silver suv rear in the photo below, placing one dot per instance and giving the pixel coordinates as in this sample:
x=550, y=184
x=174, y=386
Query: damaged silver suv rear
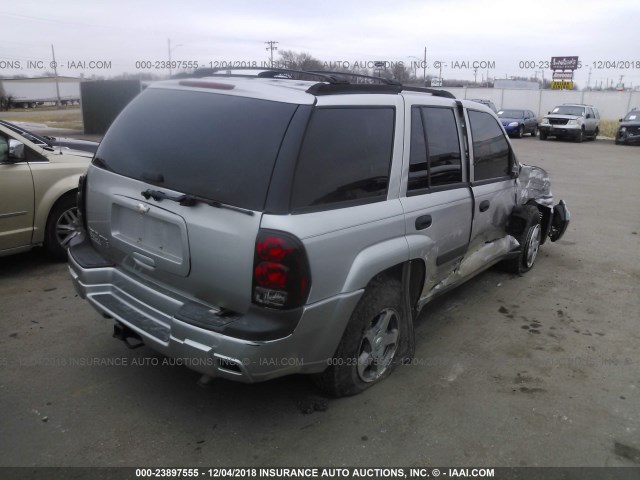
x=260, y=224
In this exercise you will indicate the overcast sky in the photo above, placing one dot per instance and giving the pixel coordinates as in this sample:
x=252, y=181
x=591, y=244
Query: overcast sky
x=503, y=32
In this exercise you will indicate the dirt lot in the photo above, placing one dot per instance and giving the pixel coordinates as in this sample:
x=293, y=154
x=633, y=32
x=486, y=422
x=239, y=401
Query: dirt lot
x=540, y=370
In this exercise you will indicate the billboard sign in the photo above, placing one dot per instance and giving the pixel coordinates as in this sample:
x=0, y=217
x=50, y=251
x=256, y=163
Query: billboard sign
x=564, y=63
x=562, y=85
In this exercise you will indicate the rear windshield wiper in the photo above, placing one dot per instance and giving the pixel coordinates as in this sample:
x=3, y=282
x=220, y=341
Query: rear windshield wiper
x=188, y=200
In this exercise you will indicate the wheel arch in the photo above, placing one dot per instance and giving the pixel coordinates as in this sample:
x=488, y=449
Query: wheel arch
x=44, y=208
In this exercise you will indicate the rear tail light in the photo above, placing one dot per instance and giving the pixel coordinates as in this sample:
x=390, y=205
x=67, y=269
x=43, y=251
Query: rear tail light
x=80, y=200
x=281, y=277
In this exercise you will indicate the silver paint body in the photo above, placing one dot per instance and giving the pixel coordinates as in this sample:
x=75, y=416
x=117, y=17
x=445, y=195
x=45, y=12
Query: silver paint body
x=166, y=255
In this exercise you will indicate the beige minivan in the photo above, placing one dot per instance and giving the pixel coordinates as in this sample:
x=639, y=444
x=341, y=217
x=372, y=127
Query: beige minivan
x=38, y=188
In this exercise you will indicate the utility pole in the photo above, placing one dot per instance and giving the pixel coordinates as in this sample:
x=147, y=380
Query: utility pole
x=55, y=72
x=424, y=67
x=272, y=47
x=169, y=49
x=589, y=79
x=475, y=76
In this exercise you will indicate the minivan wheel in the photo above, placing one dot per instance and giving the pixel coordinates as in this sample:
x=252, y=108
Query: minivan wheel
x=61, y=227
x=367, y=352
x=529, y=240
x=580, y=136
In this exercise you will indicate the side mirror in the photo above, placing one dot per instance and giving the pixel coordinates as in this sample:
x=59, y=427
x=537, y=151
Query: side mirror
x=588, y=115
x=16, y=150
x=619, y=119
x=548, y=113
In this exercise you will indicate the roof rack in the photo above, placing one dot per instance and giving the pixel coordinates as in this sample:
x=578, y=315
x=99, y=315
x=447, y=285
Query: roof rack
x=386, y=81
x=264, y=73
x=433, y=91
x=334, y=82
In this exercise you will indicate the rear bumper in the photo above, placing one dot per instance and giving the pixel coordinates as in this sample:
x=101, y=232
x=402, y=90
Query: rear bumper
x=190, y=333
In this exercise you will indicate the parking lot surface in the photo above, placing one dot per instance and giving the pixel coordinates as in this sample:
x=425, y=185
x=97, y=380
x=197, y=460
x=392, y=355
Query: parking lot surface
x=539, y=370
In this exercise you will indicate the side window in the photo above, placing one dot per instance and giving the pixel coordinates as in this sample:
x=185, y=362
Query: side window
x=436, y=161
x=4, y=149
x=345, y=158
x=492, y=157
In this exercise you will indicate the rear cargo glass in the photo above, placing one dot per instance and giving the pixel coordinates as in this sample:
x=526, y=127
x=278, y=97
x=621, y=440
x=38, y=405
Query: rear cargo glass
x=220, y=147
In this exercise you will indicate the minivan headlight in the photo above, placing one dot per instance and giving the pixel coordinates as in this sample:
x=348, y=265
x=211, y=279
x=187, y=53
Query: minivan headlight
x=572, y=122
x=545, y=121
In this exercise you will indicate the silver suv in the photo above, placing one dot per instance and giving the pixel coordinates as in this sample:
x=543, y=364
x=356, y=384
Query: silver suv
x=571, y=120
x=259, y=226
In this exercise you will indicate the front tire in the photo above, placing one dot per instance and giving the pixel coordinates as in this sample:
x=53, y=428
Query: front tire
x=529, y=239
x=543, y=136
x=61, y=227
x=580, y=136
x=535, y=132
x=370, y=344
x=520, y=131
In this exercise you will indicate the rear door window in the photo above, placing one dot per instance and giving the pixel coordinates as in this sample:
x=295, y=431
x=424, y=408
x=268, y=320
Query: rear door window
x=435, y=159
x=491, y=153
x=345, y=158
x=220, y=147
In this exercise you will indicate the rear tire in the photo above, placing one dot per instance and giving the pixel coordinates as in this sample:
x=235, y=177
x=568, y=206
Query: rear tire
x=61, y=227
x=535, y=132
x=370, y=344
x=529, y=240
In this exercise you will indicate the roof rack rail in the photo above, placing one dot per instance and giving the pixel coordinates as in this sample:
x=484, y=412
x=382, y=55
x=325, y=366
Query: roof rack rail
x=386, y=81
x=264, y=73
x=433, y=91
x=336, y=83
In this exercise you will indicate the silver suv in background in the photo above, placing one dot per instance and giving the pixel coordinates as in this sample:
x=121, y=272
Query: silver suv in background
x=571, y=120
x=256, y=226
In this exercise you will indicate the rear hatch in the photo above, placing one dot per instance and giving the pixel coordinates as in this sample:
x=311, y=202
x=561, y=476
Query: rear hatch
x=177, y=187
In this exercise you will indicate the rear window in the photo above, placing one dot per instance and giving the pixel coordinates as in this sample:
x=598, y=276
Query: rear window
x=220, y=147
x=345, y=158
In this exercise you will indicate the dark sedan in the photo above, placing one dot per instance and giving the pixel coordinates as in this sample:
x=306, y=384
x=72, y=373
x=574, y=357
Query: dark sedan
x=519, y=122
x=629, y=128
x=46, y=141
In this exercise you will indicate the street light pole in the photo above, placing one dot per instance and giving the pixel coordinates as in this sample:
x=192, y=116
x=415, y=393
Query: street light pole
x=169, y=49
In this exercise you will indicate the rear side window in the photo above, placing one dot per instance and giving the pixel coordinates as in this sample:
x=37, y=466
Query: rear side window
x=435, y=158
x=491, y=154
x=220, y=147
x=345, y=158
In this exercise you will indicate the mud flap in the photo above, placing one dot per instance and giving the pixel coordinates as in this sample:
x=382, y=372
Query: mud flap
x=408, y=345
x=560, y=221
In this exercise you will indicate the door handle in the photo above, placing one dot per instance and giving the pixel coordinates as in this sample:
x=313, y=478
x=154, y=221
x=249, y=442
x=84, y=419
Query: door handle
x=484, y=205
x=423, y=222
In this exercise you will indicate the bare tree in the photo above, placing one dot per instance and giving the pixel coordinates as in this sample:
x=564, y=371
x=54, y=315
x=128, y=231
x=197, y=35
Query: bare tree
x=298, y=61
x=400, y=72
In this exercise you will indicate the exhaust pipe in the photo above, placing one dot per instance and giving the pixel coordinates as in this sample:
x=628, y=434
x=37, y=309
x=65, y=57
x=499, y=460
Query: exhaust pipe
x=124, y=333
